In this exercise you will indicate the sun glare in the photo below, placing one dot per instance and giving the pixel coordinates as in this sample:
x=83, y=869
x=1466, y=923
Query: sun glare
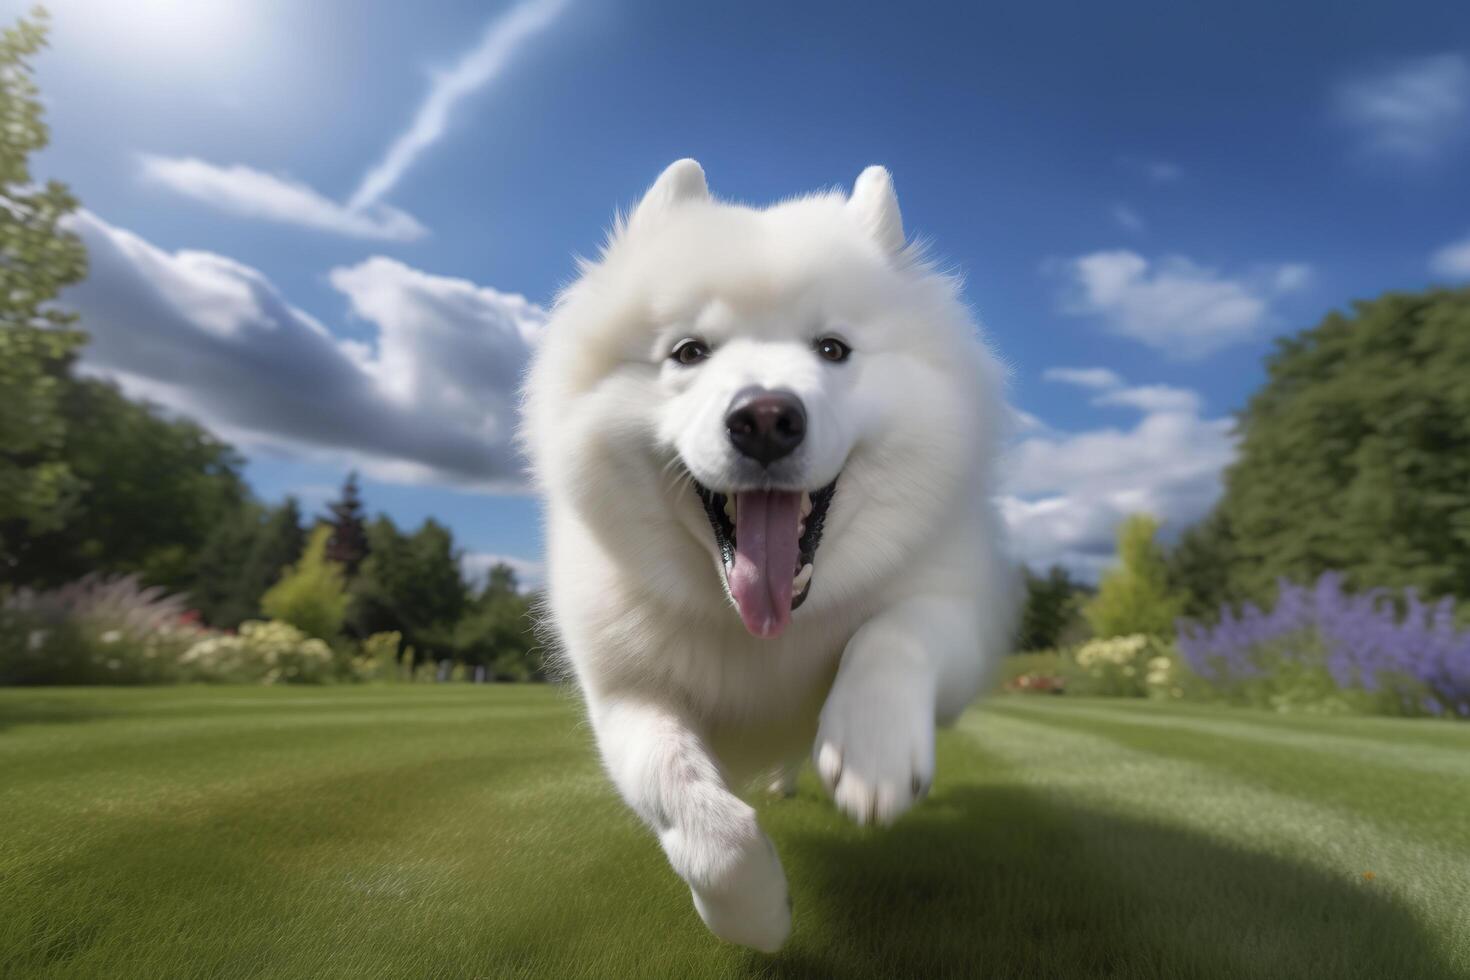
x=158, y=36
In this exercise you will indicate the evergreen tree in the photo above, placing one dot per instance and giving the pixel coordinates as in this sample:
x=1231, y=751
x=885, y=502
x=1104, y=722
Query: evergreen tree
x=38, y=490
x=348, y=543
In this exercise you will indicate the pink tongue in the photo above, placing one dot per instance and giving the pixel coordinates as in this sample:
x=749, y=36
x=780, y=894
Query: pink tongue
x=765, y=558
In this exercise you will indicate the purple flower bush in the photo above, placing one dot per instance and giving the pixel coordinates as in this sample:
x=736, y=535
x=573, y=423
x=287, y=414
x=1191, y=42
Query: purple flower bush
x=1322, y=642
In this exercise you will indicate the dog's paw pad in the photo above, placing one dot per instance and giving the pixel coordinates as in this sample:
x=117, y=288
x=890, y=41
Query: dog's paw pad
x=875, y=763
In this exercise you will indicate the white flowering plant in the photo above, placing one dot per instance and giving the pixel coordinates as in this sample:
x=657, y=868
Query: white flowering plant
x=1126, y=666
x=270, y=652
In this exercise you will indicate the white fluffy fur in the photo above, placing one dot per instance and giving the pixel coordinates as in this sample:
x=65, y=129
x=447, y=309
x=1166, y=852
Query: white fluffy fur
x=911, y=601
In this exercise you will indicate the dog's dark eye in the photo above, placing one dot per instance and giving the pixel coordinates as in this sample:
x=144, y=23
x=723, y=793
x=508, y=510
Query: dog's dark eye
x=833, y=349
x=690, y=351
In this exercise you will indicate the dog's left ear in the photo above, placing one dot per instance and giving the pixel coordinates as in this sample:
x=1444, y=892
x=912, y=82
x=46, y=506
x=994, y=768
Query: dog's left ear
x=682, y=180
x=875, y=205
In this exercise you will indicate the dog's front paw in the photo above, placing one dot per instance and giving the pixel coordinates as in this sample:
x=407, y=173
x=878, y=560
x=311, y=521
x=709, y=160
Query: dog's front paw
x=750, y=906
x=875, y=747
x=738, y=886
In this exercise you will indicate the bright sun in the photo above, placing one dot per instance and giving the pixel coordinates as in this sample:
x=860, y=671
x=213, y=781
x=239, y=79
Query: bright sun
x=159, y=35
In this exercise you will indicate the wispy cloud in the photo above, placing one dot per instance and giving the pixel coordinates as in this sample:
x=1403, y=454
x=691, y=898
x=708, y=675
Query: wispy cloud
x=1453, y=260
x=1093, y=377
x=502, y=39
x=1112, y=390
x=1153, y=168
x=1173, y=304
x=1408, y=110
x=1130, y=219
x=1152, y=399
x=252, y=193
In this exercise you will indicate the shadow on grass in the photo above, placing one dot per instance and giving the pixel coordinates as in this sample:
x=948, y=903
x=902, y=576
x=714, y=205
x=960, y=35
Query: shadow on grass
x=1000, y=882
x=46, y=708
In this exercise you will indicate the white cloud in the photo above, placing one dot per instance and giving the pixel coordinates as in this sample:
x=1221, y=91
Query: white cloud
x=1128, y=218
x=1065, y=494
x=1409, y=110
x=254, y=194
x=1181, y=308
x=486, y=62
x=1093, y=377
x=1453, y=260
x=530, y=574
x=1152, y=398
x=431, y=399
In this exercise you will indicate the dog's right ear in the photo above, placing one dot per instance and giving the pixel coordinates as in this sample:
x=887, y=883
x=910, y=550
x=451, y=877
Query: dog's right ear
x=683, y=180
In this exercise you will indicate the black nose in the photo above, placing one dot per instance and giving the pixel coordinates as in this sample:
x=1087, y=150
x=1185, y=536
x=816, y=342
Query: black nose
x=766, y=425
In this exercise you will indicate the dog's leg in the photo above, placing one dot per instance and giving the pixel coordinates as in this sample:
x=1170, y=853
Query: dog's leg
x=916, y=661
x=666, y=773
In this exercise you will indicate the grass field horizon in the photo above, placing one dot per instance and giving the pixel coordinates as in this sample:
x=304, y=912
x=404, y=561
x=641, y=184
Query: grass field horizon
x=466, y=830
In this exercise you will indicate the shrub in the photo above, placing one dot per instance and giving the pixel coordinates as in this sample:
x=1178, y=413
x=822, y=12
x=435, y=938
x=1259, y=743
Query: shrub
x=1323, y=647
x=312, y=594
x=379, y=659
x=1132, y=666
x=262, y=652
x=1135, y=597
x=97, y=630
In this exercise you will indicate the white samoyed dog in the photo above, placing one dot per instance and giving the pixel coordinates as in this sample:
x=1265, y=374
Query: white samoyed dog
x=766, y=440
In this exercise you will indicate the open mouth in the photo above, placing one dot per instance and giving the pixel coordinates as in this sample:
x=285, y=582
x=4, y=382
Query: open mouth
x=768, y=544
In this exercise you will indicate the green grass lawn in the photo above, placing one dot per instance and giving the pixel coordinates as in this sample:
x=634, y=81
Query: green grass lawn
x=463, y=831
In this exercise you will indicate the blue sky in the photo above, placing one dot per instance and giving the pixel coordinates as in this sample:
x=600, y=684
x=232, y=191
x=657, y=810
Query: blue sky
x=328, y=230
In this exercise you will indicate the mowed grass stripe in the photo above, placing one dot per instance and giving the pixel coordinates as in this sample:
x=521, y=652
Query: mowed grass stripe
x=1398, y=799
x=462, y=832
x=1434, y=734
x=1452, y=763
x=1160, y=781
x=314, y=869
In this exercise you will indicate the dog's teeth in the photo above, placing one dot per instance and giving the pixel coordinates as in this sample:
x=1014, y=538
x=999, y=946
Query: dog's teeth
x=730, y=509
x=800, y=528
x=806, y=505
x=802, y=578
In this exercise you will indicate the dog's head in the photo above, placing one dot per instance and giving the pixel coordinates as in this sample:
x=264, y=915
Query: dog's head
x=754, y=385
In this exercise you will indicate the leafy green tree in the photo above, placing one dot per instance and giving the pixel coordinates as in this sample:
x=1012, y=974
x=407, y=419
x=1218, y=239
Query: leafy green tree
x=244, y=557
x=411, y=584
x=1134, y=597
x=38, y=258
x=156, y=488
x=1199, y=567
x=1355, y=453
x=1050, y=608
x=497, y=633
x=312, y=594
